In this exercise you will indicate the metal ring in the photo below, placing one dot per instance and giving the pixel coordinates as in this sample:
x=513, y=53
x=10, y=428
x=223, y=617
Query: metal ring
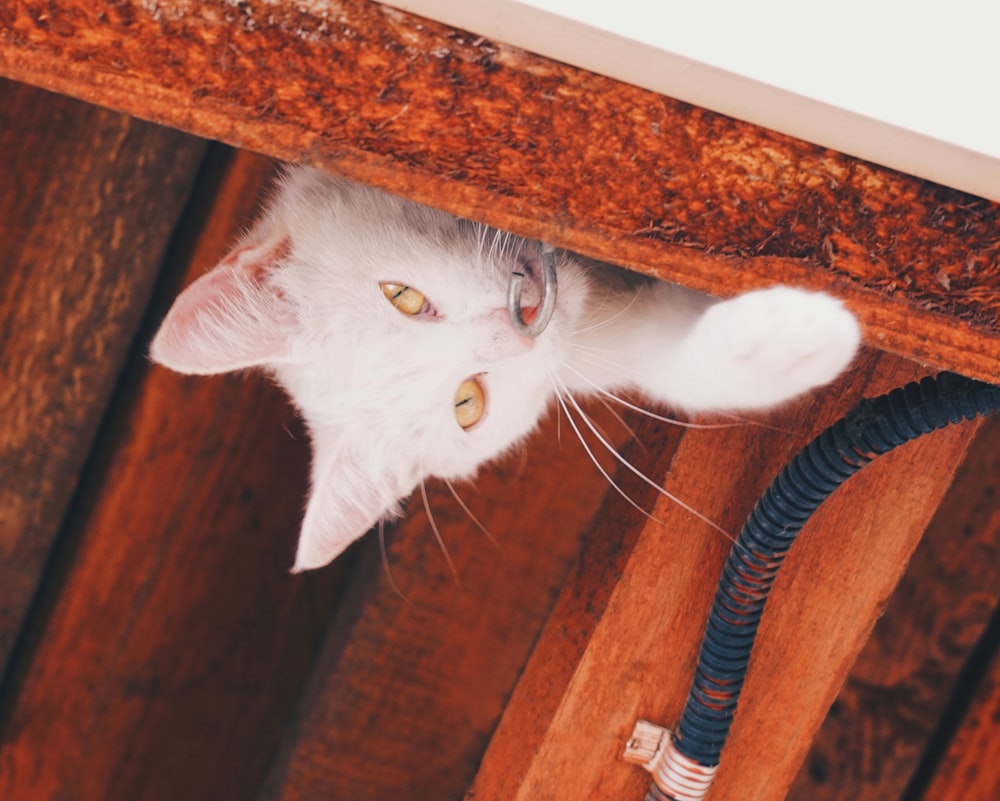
x=548, y=303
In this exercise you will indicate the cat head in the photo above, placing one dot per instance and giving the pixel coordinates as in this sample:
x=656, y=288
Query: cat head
x=386, y=322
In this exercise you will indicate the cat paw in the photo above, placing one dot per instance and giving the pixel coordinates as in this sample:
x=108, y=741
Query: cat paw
x=774, y=344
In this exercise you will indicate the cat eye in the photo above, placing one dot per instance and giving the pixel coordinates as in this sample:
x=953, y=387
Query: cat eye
x=405, y=298
x=470, y=403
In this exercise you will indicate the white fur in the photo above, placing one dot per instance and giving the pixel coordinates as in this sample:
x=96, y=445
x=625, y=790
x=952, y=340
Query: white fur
x=301, y=298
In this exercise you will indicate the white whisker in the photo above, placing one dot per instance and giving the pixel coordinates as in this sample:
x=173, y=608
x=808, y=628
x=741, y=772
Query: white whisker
x=596, y=359
x=437, y=533
x=594, y=314
x=606, y=322
x=673, y=421
x=592, y=349
x=626, y=463
x=559, y=424
x=480, y=239
x=472, y=517
x=493, y=246
x=385, y=563
x=594, y=459
x=501, y=246
x=622, y=423
x=519, y=245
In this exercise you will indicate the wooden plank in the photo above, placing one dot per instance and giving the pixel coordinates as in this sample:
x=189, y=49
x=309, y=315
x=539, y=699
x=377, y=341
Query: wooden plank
x=174, y=647
x=497, y=134
x=407, y=692
x=872, y=741
x=971, y=765
x=88, y=201
x=629, y=653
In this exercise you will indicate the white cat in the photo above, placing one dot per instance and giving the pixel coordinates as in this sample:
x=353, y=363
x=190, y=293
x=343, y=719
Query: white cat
x=387, y=324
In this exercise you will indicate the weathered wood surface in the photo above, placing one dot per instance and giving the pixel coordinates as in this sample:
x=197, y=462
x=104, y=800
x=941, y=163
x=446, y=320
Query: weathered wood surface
x=623, y=646
x=531, y=145
x=88, y=201
x=971, y=765
x=407, y=692
x=872, y=742
x=144, y=676
x=173, y=642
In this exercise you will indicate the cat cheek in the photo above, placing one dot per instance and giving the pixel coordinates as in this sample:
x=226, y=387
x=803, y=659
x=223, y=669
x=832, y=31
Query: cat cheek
x=497, y=341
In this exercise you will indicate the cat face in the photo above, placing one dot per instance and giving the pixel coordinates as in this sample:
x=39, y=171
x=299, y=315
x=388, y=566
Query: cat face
x=387, y=324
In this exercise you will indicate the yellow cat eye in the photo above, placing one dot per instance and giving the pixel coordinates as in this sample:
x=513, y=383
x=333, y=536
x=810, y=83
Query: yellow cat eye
x=405, y=298
x=470, y=403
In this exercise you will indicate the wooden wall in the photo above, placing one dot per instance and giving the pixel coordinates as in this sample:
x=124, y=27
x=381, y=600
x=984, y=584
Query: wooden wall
x=154, y=645
x=912, y=720
x=158, y=647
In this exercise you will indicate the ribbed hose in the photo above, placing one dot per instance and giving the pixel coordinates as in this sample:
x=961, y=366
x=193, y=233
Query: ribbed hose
x=873, y=428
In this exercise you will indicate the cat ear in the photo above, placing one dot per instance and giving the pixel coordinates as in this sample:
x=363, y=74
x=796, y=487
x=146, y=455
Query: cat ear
x=343, y=505
x=231, y=318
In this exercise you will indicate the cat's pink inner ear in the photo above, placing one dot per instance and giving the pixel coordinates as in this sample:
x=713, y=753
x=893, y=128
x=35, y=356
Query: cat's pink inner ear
x=339, y=512
x=231, y=318
x=349, y=495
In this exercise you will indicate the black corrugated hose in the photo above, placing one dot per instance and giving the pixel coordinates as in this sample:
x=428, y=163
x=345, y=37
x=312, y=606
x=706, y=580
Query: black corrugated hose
x=875, y=427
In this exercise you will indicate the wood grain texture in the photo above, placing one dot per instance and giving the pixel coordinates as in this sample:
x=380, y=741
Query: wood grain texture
x=527, y=144
x=873, y=739
x=970, y=768
x=563, y=733
x=175, y=641
x=88, y=201
x=407, y=692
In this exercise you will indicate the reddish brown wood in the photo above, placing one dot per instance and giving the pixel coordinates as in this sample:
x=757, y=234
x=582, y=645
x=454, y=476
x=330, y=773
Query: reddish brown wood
x=407, y=692
x=873, y=739
x=144, y=678
x=88, y=200
x=971, y=766
x=175, y=641
x=600, y=666
x=538, y=147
